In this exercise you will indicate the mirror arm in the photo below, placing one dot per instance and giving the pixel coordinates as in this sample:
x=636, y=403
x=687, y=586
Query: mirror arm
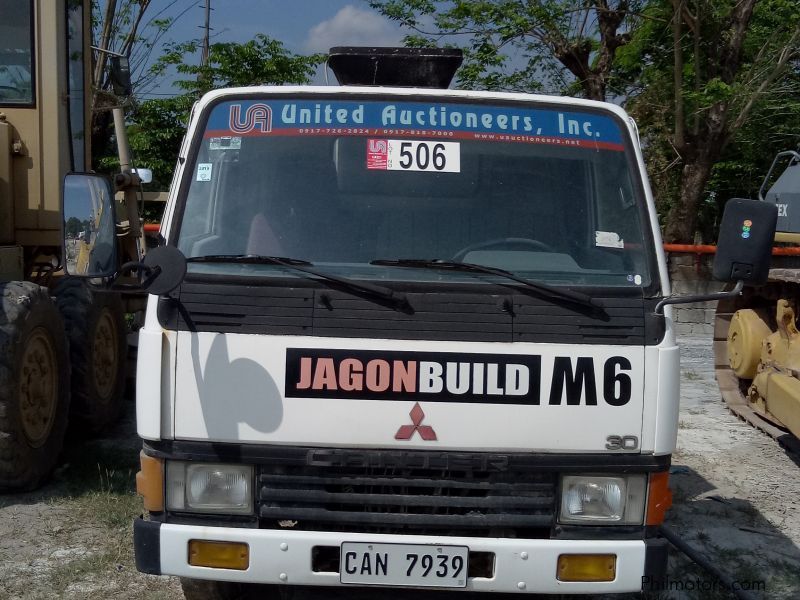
x=150, y=272
x=737, y=290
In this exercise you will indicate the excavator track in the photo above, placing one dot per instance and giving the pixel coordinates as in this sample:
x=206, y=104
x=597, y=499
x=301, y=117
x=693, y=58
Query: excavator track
x=784, y=283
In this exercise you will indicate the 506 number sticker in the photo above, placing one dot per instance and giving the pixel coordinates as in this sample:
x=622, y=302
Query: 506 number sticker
x=403, y=155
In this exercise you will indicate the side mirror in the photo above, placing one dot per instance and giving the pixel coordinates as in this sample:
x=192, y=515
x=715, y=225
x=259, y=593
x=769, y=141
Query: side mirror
x=745, y=241
x=167, y=268
x=120, y=75
x=90, y=242
x=743, y=250
x=145, y=175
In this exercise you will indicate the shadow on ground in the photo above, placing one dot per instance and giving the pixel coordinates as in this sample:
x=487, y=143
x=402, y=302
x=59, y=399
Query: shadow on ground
x=91, y=464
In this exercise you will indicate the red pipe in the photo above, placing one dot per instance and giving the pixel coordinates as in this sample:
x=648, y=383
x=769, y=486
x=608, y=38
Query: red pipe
x=691, y=249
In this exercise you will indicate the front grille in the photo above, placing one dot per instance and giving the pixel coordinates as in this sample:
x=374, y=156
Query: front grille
x=412, y=501
x=440, y=313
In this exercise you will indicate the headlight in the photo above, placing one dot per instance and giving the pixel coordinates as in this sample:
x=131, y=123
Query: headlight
x=603, y=500
x=214, y=488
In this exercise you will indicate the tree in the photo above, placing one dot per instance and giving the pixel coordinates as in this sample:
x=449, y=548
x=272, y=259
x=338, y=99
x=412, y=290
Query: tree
x=693, y=72
x=133, y=29
x=566, y=45
x=260, y=61
x=73, y=226
x=158, y=125
x=700, y=70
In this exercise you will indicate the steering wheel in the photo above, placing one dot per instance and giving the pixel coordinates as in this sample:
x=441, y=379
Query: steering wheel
x=526, y=243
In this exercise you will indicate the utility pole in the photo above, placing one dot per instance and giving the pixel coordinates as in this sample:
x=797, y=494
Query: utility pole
x=207, y=28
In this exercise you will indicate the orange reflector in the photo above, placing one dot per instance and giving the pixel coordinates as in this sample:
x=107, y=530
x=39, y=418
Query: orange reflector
x=150, y=482
x=219, y=555
x=659, y=498
x=587, y=567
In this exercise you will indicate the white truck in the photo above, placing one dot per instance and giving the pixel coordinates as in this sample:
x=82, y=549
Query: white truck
x=415, y=341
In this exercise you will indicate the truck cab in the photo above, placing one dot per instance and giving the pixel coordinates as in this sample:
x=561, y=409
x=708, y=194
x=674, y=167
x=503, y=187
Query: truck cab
x=416, y=345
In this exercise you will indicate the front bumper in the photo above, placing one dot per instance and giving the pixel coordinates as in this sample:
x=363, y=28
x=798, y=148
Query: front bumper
x=284, y=557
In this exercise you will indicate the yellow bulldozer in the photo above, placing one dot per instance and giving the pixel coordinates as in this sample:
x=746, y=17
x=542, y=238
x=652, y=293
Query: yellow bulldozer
x=62, y=344
x=757, y=342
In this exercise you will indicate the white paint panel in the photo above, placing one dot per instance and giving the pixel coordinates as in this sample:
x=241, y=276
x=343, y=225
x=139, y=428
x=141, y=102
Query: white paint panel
x=666, y=422
x=168, y=357
x=230, y=388
x=148, y=383
x=530, y=562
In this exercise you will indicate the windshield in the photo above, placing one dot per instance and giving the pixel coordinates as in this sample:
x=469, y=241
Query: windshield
x=543, y=193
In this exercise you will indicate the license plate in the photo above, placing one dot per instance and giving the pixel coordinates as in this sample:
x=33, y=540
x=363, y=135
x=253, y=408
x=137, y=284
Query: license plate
x=403, y=564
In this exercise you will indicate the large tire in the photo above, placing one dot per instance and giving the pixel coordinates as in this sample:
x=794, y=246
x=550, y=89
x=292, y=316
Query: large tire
x=95, y=326
x=34, y=385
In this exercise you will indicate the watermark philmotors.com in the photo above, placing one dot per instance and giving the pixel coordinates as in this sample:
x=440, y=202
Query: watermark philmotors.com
x=699, y=584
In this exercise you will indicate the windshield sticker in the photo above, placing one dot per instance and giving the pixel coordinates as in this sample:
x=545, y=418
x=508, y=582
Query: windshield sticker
x=608, y=239
x=225, y=143
x=635, y=279
x=204, y=172
x=483, y=122
x=403, y=155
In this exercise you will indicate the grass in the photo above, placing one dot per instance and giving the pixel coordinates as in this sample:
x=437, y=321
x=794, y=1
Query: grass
x=114, y=504
x=98, y=492
x=80, y=542
x=97, y=467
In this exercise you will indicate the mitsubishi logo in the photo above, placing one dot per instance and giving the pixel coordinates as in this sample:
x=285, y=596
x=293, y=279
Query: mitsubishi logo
x=426, y=432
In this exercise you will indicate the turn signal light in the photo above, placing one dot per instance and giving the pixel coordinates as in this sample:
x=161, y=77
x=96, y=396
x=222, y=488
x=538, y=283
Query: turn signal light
x=659, y=498
x=587, y=567
x=150, y=482
x=219, y=555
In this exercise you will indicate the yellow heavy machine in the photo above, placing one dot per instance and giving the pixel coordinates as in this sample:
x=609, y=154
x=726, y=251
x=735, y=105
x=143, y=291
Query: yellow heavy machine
x=757, y=342
x=62, y=345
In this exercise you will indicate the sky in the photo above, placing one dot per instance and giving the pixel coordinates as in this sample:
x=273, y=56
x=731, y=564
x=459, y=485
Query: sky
x=304, y=26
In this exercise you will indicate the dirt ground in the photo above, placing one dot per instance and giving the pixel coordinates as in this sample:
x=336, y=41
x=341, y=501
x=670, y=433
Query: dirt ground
x=736, y=492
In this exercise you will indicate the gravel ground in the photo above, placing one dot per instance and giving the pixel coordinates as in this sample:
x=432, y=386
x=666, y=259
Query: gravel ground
x=736, y=492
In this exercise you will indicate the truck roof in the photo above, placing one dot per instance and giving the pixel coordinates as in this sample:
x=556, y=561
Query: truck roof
x=356, y=91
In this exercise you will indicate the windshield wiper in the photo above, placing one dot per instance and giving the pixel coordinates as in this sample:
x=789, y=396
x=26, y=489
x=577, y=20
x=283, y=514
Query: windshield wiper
x=543, y=289
x=375, y=292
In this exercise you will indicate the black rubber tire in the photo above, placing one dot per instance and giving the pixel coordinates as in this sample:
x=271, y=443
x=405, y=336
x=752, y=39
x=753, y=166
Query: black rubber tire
x=28, y=313
x=93, y=408
x=199, y=589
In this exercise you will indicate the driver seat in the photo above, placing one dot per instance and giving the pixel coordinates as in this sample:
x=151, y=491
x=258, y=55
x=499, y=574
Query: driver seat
x=262, y=239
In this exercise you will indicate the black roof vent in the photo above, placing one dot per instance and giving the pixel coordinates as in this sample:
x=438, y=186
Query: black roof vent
x=401, y=67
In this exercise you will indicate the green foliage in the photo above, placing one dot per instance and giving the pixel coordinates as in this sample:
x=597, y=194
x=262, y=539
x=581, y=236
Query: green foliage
x=559, y=45
x=155, y=134
x=733, y=101
x=156, y=126
x=74, y=226
x=773, y=127
x=260, y=61
x=739, y=109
